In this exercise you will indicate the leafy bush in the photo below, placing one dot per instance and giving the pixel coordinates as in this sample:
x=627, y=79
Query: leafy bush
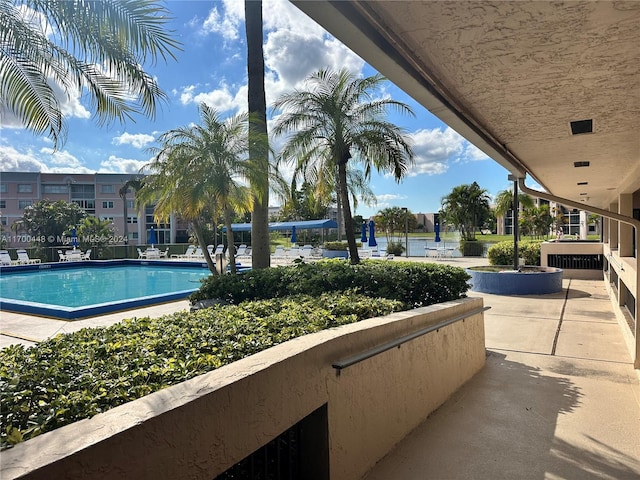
x=502, y=253
x=78, y=375
x=395, y=248
x=471, y=248
x=415, y=284
x=337, y=245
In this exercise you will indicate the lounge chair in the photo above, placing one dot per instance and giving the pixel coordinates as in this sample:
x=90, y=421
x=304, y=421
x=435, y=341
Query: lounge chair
x=188, y=253
x=73, y=256
x=165, y=253
x=141, y=254
x=5, y=258
x=218, y=251
x=61, y=256
x=23, y=258
x=86, y=255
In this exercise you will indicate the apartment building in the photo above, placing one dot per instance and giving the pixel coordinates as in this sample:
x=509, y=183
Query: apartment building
x=97, y=194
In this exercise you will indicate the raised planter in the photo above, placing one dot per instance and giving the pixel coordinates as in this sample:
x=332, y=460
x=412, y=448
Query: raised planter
x=503, y=280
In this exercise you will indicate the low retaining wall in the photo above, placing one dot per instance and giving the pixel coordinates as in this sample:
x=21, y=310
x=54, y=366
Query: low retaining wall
x=201, y=427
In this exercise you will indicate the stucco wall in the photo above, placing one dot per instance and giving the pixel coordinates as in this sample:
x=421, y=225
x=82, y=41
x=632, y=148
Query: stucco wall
x=199, y=428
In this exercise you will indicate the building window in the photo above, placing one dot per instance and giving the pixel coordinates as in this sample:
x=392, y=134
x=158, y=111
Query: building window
x=3, y=188
x=132, y=219
x=25, y=188
x=130, y=203
x=88, y=206
x=55, y=189
x=107, y=204
x=108, y=189
x=22, y=204
x=3, y=204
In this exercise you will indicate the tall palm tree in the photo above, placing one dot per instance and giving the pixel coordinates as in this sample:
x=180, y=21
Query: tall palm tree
x=69, y=47
x=337, y=120
x=199, y=171
x=504, y=202
x=136, y=184
x=324, y=176
x=260, y=248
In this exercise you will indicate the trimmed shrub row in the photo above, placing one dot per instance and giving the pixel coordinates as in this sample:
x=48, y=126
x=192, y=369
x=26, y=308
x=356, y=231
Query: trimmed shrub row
x=502, y=253
x=412, y=283
x=78, y=375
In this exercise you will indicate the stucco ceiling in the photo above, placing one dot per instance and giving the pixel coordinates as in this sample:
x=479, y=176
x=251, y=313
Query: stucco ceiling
x=511, y=76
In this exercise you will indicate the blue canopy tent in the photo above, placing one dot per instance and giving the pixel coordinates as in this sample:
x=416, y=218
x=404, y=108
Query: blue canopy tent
x=300, y=225
x=284, y=226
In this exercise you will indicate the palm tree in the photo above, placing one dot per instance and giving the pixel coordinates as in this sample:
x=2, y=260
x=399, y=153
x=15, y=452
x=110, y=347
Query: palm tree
x=337, y=120
x=260, y=248
x=136, y=184
x=324, y=177
x=78, y=37
x=504, y=202
x=199, y=171
x=465, y=207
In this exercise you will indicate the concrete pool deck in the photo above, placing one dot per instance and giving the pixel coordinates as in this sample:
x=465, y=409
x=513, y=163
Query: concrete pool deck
x=558, y=397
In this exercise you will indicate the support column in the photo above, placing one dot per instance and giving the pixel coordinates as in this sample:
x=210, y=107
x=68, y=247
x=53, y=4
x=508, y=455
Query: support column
x=625, y=231
x=613, y=228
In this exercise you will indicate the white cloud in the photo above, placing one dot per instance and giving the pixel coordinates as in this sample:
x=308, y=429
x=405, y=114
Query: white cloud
x=295, y=47
x=121, y=165
x=226, y=23
x=435, y=149
x=138, y=140
x=13, y=161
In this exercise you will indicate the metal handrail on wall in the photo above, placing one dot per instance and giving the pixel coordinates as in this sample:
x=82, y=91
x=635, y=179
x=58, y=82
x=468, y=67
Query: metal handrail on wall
x=347, y=362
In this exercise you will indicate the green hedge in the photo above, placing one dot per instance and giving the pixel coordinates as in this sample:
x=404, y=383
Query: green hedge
x=78, y=375
x=502, y=253
x=415, y=284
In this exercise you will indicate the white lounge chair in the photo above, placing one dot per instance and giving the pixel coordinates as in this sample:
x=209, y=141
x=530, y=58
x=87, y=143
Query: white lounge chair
x=23, y=258
x=5, y=258
x=141, y=254
x=61, y=256
x=188, y=252
x=73, y=256
x=86, y=255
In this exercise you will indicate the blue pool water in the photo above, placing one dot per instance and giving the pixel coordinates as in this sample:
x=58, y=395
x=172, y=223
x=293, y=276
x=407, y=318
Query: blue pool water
x=95, y=288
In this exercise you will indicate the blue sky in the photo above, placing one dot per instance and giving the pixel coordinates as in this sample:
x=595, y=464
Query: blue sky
x=212, y=69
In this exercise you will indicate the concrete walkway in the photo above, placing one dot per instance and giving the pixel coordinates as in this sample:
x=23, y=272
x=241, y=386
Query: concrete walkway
x=558, y=399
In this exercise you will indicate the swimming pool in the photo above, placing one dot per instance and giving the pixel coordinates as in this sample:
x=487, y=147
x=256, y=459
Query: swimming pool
x=72, y=291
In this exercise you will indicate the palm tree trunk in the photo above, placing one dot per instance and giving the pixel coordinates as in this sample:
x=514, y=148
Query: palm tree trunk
x=231, y=247
x=343, y=194
x=260, y=248
x=197, y=229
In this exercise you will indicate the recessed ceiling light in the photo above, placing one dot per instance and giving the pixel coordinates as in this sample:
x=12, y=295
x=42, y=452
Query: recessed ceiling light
x=581, y=164
x=582, y=183
x=581, y=126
